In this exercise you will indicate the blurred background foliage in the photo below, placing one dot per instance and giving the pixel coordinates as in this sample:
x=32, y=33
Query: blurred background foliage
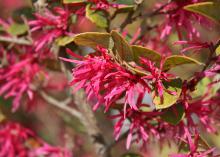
x=59, y=128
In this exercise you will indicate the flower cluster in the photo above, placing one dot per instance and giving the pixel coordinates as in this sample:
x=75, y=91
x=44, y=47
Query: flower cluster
x=52, y=26
x=17, y=77
x=181, y=20
x=16, y=140
x=114, y=86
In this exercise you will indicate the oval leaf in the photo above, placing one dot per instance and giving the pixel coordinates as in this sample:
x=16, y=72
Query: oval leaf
x=174, y=114
x=96, y=16
x=208, y=9
x=217, y=50
x=169, y=100
x=175, y=60
x=93, y=39
x=63, y=41
x=17, y=29
x=139, y=51
x=73, y=1
x=122, y=47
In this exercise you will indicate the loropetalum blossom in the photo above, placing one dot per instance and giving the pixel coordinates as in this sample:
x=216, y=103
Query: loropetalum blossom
x=17, y=77
x=16, y=140
x=156, y=76
x=140, y=125
x=193, y=144
x=52, y=26
x=182, y=20
x=115, y=86
x=101, y=76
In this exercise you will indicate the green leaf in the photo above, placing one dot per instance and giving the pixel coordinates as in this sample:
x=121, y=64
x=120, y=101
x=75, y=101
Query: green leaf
x=139, y=51
x=73, y=1
x=127, y=2
x=169, y=100
x=17, y=29
x=131, y=155
x=175, y=60
x=63, y=41
x=174, y=114
x=96, y=16
x=122, y=47
x=207, y=9
x=201, y=87
x=217, y=50
x=2, y=29
x=93, y=39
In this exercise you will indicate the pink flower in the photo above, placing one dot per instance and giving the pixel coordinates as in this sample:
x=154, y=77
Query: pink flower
x=139, y=126
x=17, y=77
x=50, y=151
x=51, y=26
x=181, y=20
x=205, y=110
x=156, y=76
x=192, y=45
x=15, y=140
x=193, y=145
x=12, y=140
x=109, y=82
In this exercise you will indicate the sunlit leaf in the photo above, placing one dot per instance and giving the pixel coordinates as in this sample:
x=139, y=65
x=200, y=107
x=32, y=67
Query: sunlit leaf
x=217, y=50
x=73, y=1
x=174, y=114
x=207, y=9
x=201, y=87
x=139, y=51
x=169, y=99
x=122, y=47
x=63, y=41
x=96, y=16
x=17, y=29
x=93, y=39
x=175, y=60
x=127, y=2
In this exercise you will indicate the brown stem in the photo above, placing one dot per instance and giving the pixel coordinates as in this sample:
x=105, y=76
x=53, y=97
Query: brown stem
x=15, y=40
x=90, y=121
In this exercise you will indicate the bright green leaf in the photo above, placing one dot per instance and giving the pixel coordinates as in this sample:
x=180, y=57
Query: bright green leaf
x=2, y=28
x=17, y=29
x=201, y=87
x=217, y=50
x=127, y=2
x=63, y=41
x=169, y=99
x=96, y=16
x=175, y=60
x=208, y=9
x=73, y=1
x=122, y=47
x=174, y=114
x=139, y=51
x=93, y=39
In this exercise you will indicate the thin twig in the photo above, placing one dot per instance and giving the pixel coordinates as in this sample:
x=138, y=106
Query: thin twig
x=15, y=40
x=90, y=121
x=63, y=105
